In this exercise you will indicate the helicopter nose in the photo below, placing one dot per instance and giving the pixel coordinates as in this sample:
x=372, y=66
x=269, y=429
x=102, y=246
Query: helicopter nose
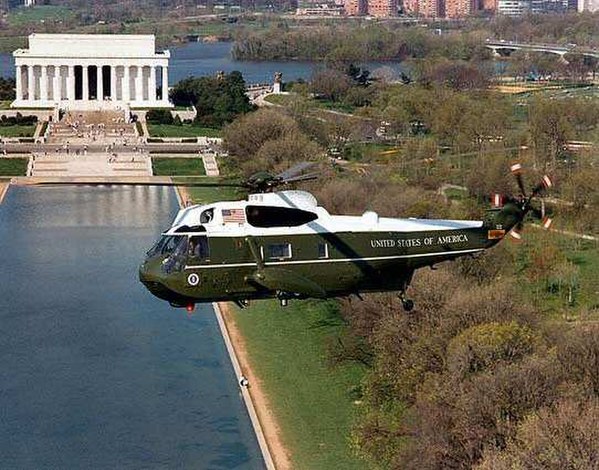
x=149, y=272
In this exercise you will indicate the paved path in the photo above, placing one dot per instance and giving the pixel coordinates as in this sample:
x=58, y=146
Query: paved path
x=210, y=164
x=3, y=190
x=91, y=164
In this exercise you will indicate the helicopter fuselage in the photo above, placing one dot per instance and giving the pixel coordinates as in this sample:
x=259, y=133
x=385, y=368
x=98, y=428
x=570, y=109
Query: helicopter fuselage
x=284, y=245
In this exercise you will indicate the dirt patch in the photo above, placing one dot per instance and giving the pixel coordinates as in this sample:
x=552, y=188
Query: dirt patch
x=268, y=422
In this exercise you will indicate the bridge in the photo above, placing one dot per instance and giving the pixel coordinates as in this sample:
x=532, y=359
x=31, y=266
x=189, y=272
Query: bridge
x=560, y=49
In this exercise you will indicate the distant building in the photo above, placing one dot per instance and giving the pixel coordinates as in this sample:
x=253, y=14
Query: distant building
x=459, y=8
x=514, y=7
x=319, y=9
x=410, y=7
x=431, y=8
x=588, y=5
x=355, y=7
x=381, y=8
x=549, y=6
x=489, y=6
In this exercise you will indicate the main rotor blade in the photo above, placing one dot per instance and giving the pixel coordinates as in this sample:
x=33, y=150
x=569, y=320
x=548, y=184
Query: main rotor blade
x=310, y=176
x=295, y=170
x=190, y=184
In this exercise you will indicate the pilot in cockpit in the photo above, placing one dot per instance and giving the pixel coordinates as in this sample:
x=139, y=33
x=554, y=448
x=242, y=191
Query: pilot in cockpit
x=198, y=247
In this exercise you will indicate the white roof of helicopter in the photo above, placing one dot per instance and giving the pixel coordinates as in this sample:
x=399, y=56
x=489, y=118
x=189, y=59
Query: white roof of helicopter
x=229, y=218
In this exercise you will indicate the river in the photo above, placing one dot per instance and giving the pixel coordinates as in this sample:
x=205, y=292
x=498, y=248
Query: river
x=205, y=59
x=96, y=372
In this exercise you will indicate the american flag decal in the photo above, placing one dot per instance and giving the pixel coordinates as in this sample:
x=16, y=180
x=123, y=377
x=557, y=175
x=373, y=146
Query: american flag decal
x=235, y=216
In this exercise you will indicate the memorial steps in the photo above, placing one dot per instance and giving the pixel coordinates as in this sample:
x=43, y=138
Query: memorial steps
x=87, y=141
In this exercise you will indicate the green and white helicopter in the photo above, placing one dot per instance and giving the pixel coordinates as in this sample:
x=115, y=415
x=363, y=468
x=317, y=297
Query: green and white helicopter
x=284, y=245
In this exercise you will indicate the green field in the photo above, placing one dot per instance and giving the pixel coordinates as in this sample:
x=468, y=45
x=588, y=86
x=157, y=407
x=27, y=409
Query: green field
x=13, y=166
x=210, y=194
x=315, y=403
x=286, y=100
x=10, y=43
x=178, y=166
x=185, y=130
x=38, y=14
x=17, y=130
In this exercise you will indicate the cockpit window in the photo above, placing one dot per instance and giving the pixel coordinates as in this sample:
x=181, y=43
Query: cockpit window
x=166, y=245
x=273, y=216
x=207, y=216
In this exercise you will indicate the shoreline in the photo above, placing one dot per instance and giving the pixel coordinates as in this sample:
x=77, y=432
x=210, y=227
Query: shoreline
x=275, y=454
x=3, y=190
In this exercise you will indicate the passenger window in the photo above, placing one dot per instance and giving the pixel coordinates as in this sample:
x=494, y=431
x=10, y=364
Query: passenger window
x=198, y=248
x=279, y=251
x=207, y=216
x=323, y=250
x=268, y=216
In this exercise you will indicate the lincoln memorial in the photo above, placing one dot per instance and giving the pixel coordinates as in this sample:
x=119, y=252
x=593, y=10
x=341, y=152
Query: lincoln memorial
x=91, y=71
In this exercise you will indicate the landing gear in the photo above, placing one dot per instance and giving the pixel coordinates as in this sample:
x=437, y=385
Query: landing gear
x=407, y=304
x=284, y=298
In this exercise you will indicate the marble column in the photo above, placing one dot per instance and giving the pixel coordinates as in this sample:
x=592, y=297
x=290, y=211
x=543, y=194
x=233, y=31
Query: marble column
x=44, y=83
x=139, y=84
x=165, y=84
x=71, y=82
x=19, y=82
x=126, y=84
x=56, y=82
x=152, y=85
x=113, y=96
x=99, y=84
x=30, y=83
x=85, y=80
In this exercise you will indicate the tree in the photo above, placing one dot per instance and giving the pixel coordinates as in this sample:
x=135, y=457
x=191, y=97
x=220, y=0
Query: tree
x=218, y=100
x=267, y=139
x=554, y=438
x=330, y=84
x=550, y=129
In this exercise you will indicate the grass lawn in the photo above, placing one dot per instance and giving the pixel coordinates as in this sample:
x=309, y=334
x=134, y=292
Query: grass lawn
x=208, y=195
x=38, y=14
x=313, y=401
x=584, y=255
x=185, y=130
x=17, y=130
x=283, y=100
x=5, y=104
x=10, y=43
x=178, y=166
x=13, y=166
x=286, y=100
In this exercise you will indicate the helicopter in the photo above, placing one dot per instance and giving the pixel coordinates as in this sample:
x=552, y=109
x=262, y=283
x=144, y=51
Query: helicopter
x=282, y=244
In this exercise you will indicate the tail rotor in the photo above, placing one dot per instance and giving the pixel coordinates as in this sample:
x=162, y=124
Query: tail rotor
x=525, y=201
